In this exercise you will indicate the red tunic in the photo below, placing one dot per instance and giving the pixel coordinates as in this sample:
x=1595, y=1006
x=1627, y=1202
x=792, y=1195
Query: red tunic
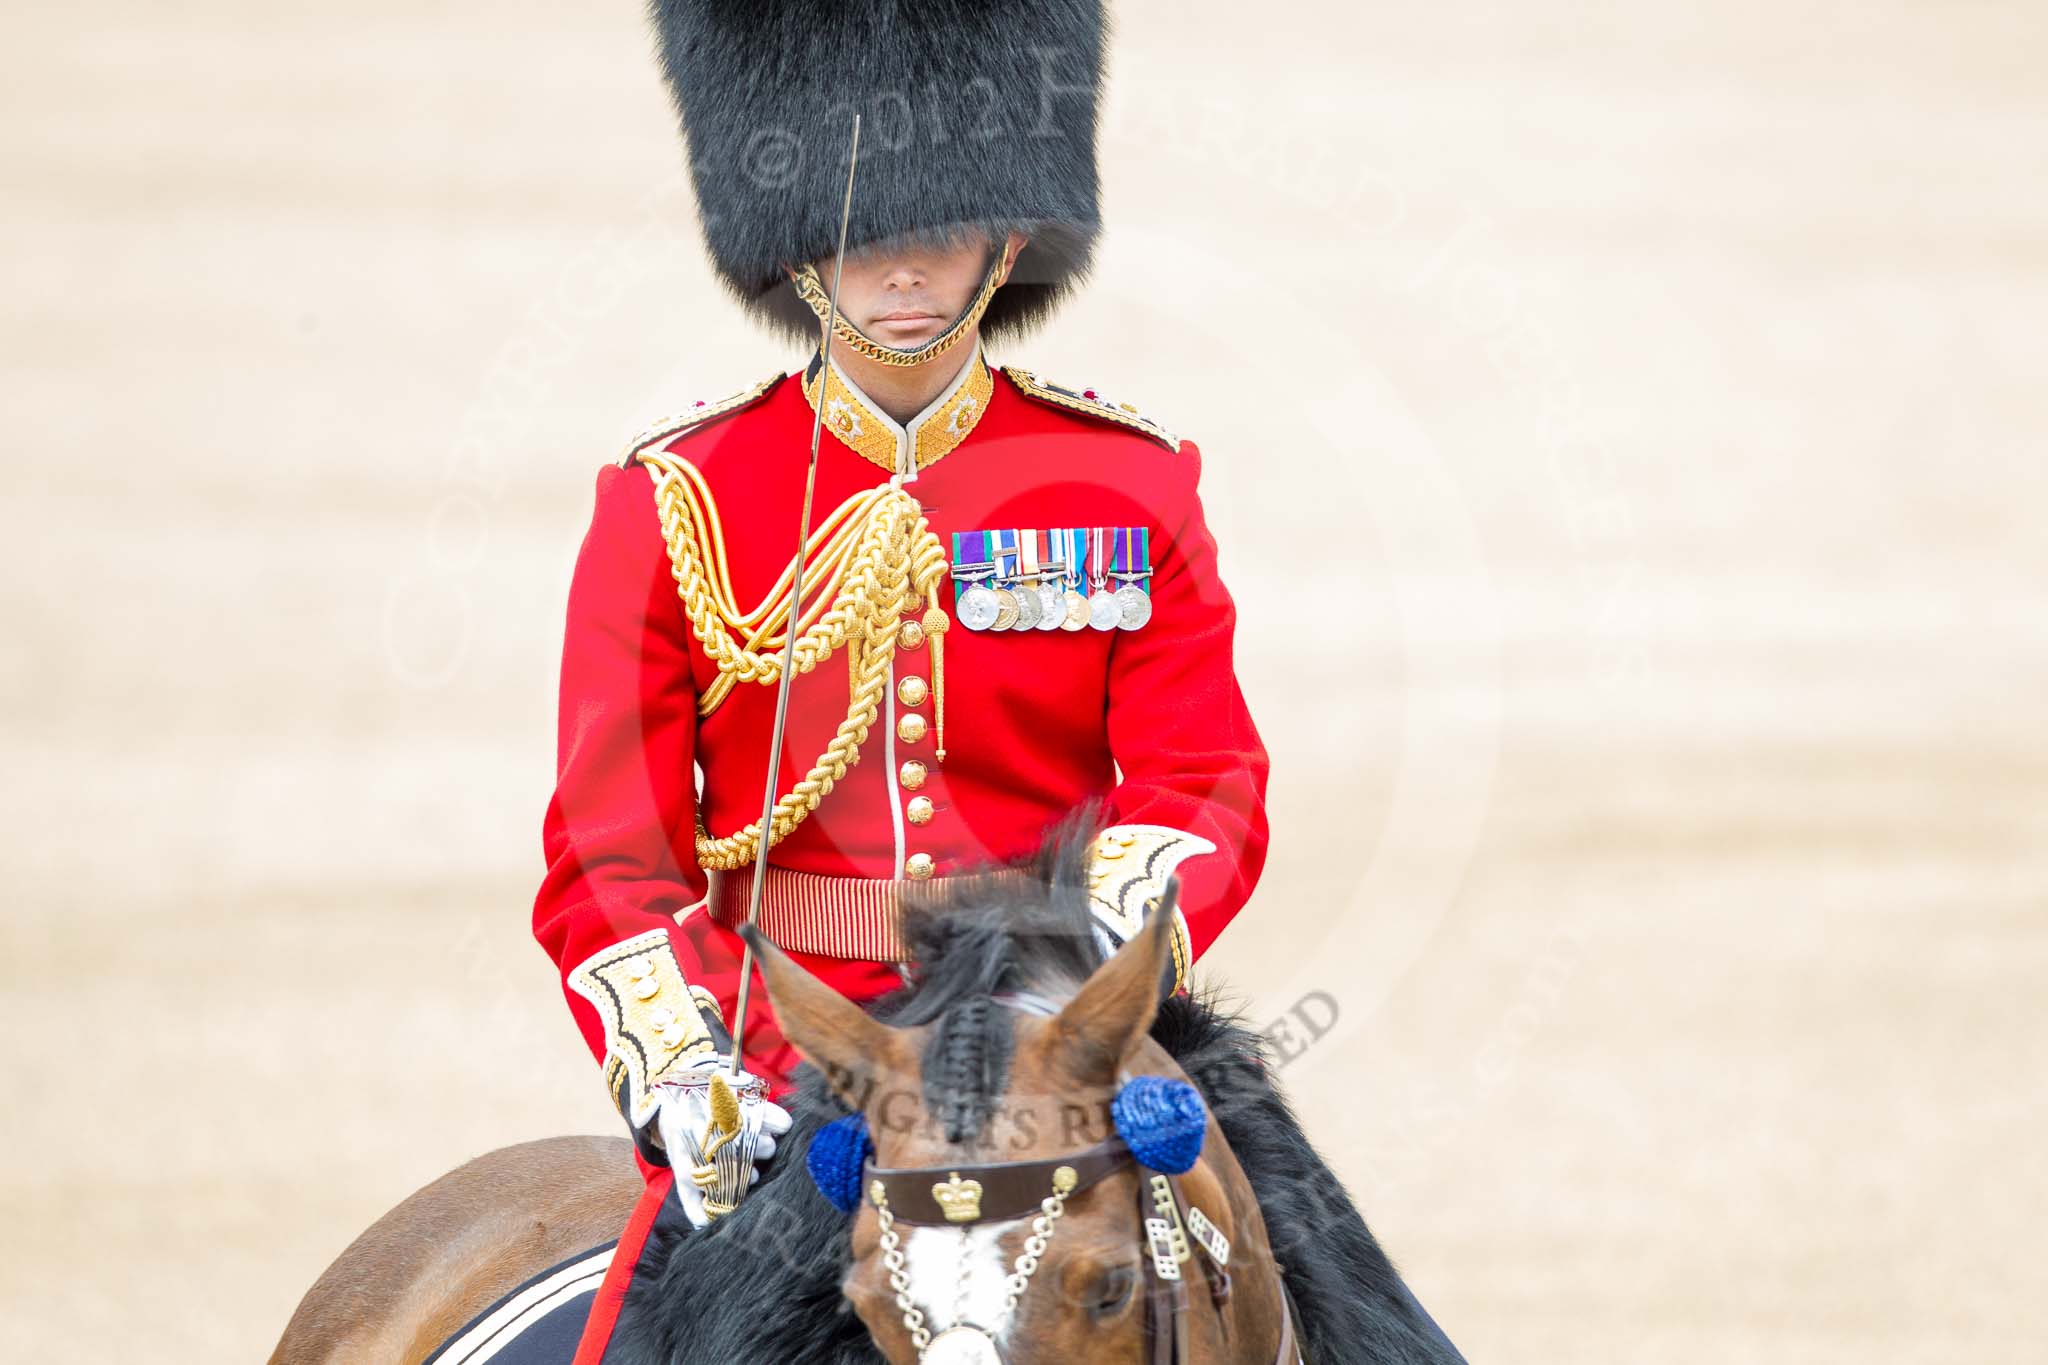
x=1151, y=721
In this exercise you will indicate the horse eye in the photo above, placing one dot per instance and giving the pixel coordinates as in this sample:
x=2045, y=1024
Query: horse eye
x=1113, y=1291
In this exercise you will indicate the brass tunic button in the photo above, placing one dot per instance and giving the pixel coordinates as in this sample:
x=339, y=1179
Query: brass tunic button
x=912, y=691
x=910, y=634
x=911, y=774
x=910, y=729
x=918, y=867
x=919, y=810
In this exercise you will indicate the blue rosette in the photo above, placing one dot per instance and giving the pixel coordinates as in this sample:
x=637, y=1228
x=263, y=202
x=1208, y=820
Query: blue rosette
x=1162, y=1121
x=835, y=1160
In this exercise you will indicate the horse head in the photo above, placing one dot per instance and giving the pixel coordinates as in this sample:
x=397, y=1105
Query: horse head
x=1036, y=1180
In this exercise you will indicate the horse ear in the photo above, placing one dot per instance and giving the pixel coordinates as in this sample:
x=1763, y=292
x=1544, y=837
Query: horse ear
x=1114, y=1008
x=855, y=1052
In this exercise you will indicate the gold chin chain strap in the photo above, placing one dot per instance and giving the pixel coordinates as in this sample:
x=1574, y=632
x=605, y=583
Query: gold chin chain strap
x=812, y=291
x=868, y=562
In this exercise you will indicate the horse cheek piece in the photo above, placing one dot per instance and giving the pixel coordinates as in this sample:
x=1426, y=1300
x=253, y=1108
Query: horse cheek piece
x=835, y=1159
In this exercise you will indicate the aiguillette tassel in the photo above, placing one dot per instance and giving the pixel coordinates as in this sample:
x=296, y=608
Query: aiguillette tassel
x=935, y=624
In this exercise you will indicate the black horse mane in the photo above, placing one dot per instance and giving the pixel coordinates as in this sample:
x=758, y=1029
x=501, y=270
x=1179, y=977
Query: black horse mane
x=762, y=1284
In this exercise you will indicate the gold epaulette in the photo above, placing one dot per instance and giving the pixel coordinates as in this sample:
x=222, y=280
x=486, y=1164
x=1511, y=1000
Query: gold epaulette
x=696, y=415
x=1089, y=403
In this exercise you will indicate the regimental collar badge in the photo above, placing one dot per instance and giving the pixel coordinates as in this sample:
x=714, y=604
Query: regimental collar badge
x=904, y=449
x=844, y=419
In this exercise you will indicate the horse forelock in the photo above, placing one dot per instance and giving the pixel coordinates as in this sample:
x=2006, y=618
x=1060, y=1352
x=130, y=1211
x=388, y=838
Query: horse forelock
x=1026, y=928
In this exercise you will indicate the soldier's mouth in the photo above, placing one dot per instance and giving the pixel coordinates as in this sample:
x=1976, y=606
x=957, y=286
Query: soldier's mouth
x=904, y=328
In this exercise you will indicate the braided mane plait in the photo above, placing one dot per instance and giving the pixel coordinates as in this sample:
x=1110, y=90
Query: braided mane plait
x=966, y=1065
x=1027, y=930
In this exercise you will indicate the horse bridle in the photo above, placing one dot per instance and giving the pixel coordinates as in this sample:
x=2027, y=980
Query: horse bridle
x=960, y=1196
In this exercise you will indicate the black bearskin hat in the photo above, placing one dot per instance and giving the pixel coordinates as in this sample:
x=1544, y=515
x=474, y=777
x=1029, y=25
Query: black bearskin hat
x=974, y=113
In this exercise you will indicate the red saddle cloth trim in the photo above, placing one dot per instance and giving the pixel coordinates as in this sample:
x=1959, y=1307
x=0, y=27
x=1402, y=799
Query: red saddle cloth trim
x=611, y=1295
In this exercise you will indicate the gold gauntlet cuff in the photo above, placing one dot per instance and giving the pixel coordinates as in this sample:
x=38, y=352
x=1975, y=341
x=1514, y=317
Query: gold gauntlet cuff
x=1128, y=873
x=654, y=1021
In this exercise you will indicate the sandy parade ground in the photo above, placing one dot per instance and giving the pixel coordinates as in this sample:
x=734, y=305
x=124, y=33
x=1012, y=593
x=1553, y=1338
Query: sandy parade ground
x=1625, y=429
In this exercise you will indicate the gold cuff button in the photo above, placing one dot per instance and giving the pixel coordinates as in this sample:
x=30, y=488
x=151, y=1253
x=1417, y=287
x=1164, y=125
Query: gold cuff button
x=669, y=1030
x=918, y=867
x=911, y=728
x=912, y=691
x=919, y=810
x=911, y=774
x=910, y=635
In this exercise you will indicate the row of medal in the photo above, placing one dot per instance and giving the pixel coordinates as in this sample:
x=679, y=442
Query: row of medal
x=1034, y=580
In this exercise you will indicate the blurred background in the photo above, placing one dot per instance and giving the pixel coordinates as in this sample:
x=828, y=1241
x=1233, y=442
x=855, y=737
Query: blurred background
x=1624, y=426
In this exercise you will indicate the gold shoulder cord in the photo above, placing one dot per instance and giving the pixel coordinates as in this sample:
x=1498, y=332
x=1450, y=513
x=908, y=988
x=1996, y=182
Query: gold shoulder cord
x=871, y=559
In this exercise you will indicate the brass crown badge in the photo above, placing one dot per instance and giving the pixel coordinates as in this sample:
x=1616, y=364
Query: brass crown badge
x=959, y=1200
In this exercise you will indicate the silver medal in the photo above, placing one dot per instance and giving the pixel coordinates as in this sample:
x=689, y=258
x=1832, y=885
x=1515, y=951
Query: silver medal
x=1027, y=606
x=976, y=607
x=1133, y=606
x=1052, y=607
x=1103, y=611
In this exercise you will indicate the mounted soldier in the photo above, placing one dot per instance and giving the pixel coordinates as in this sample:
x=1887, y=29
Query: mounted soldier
x=1018, y=573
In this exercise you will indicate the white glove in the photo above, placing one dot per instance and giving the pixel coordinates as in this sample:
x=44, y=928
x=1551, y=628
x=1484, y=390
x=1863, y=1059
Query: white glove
x=711, y=1186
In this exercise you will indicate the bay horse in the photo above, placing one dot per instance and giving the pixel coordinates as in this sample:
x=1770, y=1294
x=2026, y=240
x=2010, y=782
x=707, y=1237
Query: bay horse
x=1005, y=1066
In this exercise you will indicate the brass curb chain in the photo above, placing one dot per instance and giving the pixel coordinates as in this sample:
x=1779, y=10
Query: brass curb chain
x=899, y=1279
x=1042, y=1228
x=1028, y=1260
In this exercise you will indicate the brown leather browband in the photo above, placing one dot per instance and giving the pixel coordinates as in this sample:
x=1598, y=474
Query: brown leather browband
x=953, y=1196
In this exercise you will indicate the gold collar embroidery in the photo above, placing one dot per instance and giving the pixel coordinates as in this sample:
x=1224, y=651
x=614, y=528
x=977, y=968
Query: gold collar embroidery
x=876, y=437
